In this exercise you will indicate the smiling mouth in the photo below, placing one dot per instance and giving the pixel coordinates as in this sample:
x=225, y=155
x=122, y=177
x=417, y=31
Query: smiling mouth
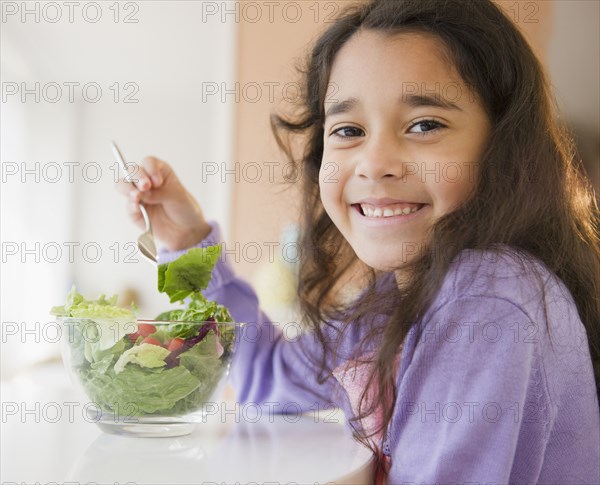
x=392, y=210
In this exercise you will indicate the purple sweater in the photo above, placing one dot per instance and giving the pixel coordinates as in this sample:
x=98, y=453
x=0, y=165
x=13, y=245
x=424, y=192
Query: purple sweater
x=484, y=396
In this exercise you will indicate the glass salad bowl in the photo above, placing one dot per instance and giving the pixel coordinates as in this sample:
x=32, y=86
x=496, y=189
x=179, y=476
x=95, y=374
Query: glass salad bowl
x=148, y=378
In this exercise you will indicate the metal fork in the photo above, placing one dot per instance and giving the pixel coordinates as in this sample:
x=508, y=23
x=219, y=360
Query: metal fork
x=145, y=242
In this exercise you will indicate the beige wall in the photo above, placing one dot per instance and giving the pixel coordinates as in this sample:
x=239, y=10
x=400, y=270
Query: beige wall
x=267, y=52
x=536, y=21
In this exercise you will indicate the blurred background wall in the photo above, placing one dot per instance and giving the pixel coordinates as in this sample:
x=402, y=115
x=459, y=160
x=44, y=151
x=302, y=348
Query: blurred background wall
x=74, y=77
x=192, y=82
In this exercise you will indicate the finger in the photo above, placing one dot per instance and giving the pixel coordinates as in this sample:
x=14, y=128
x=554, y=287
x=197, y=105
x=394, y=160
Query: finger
x=135, y=214
x=136, y=178
x=140, y=178
x=158, y=170
x=134, y=195
x=155, y=196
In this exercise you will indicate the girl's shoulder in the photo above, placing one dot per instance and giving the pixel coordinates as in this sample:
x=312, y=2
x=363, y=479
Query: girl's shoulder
x=507, y=301
x=502, y=333
x=505, y=310
x=505, y=273
x=510, y=293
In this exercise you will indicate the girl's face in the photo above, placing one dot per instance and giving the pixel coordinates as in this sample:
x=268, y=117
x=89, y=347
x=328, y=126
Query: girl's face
x=402, y=138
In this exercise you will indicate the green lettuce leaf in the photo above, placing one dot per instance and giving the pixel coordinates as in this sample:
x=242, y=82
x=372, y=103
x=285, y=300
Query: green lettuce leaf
x=94, y=353
x=101, y=351
x=202, y=359
x=138, y=390
x=103, y=364
x=145, y=355
x=203, y=362
x=190, y=273
x=78, y=307
x=199, y=309
x=101, y=324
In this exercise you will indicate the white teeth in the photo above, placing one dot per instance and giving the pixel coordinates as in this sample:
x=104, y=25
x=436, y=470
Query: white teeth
x=369, y=211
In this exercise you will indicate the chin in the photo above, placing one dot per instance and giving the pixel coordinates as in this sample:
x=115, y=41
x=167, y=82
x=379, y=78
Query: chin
x=379, y=263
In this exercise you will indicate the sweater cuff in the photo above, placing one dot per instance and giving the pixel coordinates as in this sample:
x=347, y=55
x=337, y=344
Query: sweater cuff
x=222, y=273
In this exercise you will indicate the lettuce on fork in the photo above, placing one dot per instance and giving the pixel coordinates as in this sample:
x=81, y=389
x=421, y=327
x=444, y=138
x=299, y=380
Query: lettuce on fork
x=188, y=274
x=153, y=369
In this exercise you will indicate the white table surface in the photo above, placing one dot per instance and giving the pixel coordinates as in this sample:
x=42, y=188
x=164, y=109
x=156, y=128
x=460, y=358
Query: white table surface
x=46, y=437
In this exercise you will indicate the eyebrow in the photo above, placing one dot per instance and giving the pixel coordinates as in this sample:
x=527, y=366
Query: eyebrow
x=412, y=100
x=415, y=101
x=341, y=107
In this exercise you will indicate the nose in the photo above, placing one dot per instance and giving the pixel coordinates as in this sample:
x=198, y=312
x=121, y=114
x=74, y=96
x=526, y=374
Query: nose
x=381, y=157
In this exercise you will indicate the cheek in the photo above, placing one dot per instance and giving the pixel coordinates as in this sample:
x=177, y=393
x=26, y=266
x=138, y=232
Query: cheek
x=327, y=189
x=333, y=174
x=457, y=183
x=329, y=172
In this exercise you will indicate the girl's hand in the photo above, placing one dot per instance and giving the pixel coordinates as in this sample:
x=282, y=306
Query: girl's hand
x=177, y=220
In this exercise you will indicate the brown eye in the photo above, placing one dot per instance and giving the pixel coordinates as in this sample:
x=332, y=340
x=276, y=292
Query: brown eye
x=426, y=126
x=348, y=132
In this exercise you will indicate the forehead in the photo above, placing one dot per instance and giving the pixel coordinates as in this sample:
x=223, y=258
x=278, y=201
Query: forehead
x=382, y=61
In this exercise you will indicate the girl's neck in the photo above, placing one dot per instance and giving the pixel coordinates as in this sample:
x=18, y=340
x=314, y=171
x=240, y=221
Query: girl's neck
x=402, y=278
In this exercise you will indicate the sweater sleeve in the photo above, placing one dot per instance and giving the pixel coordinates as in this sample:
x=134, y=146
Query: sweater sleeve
x=267, y=370
x=470, y=395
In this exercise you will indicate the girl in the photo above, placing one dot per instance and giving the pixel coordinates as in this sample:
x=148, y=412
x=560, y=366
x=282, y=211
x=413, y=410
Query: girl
x=435, y=170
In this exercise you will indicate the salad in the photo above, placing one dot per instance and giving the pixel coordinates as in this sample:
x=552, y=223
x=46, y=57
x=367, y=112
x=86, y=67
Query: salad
x=166, y=367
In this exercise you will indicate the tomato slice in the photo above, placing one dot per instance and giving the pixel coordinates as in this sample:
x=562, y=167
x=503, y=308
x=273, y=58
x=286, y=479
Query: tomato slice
x=133, y=337
x=176, y=344
x=145, y=329
x=151, y=340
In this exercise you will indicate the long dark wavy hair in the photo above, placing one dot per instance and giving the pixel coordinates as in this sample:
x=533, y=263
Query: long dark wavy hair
x=531, y=193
